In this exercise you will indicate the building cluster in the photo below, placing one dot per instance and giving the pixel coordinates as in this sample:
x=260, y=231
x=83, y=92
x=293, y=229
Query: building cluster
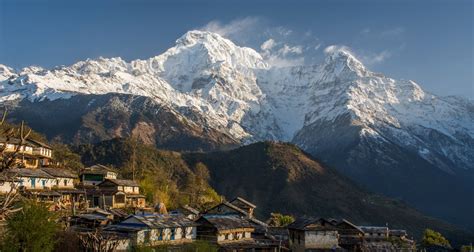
x=35, y=176
x=231, y=226
x=99, y=200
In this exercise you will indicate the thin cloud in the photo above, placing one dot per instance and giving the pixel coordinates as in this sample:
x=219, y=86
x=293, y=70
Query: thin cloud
x=268, y=45
x=234, y=28
x=368, y=58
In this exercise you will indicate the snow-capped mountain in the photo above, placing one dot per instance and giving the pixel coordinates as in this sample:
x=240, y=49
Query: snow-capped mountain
x=338, y=109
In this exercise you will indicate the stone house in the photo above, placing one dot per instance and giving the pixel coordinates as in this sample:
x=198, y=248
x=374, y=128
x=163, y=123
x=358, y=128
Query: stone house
x=311, y=234
x=221, y=229
x=116, y=193
x=351, y=237
x=156, y=229
x=64, y=184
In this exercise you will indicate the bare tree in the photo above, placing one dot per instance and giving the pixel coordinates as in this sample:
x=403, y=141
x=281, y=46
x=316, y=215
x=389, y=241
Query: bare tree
x=99, y=240
x=9, y=160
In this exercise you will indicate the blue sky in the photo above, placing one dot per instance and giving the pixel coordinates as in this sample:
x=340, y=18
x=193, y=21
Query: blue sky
x=429, y=41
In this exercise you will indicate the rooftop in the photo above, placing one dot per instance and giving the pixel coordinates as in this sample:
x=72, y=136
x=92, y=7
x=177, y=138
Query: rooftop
x=245, y=202
x=226, y=222
x=25, y=172
x=373, y=229
x=120, y=182
x=155, y=221
x=97, y=169
x=60, y=172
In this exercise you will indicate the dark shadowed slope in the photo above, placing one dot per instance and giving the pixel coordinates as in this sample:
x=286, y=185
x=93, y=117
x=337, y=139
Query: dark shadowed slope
x=280, y=177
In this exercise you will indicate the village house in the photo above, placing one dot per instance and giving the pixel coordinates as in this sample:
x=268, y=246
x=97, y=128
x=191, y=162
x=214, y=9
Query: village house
x=225, y=229
x=308, y=234
x=32, y=154
x=190, y=212
x=95, y=174
x=36, y=183
x=372, y=233
x=116, y=193
x=156, y=229
x=64, y=184
x=8, y=184
x=227, y=208
x=245, y=205
x=351, y=237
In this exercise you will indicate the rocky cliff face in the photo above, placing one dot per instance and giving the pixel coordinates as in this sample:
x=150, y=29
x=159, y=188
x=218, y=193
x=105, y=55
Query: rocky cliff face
x=387, y=134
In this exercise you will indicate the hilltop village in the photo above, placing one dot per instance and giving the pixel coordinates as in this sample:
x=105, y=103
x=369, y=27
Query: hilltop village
x=97, y=198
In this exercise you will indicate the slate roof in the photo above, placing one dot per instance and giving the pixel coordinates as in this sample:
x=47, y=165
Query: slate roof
x=344, y=221
x=60, y=173
x=301, y=223
x=25, y=172
x=398, y=232
x=156, y=221
x=226, y=222
x=190, y=209
x=249, y=204
x=39, y=144
x=228, y=204
x=120, y=182
x=28, y=142
x=373, y=229
x=118, y=212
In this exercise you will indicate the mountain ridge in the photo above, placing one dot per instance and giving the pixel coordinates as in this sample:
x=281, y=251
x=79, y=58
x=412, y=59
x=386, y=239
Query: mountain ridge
x=361, y=122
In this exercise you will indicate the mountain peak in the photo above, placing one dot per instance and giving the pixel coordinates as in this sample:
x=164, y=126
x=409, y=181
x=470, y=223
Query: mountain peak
x=341, y=59
x=6, y=72
x=197, y=36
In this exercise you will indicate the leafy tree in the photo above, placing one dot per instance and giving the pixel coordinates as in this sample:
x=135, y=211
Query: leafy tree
x=467, y=248
x=433, y=238
x=280, y=220
x=164, y=176
x=31, y=229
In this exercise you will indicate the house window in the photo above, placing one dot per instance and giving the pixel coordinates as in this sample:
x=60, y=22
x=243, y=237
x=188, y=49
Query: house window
x=33, y=182
x=43, y=183
x=57, y=182
x=147, y=236
x=120, y=199
x=65, y=182
x=173, y=231
x=160, y=234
